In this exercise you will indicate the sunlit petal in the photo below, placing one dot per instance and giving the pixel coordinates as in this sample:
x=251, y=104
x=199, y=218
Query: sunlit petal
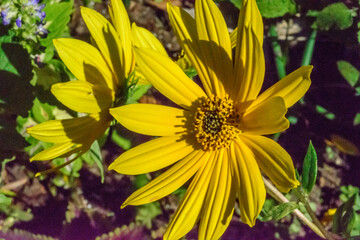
x=107, y=40
x=58, y=131
x=252, y=191
x=189, y=209
x=121, y=22
x=170, y=180
x=59, y=150
x=87, y=64
x=291, y=88
x=83, y=97
x=273, y=160
x=167, y=77
x=151, y=119
x=144, y=38
x=185, y=29
x=268, y=117
x=215, y=44
x=249, y=68
x=219, y=201
x=152, y=155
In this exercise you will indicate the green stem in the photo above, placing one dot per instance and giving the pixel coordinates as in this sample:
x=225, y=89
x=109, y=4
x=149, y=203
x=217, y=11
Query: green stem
x=316, y=221
x=278, y=196
x=280, y=60
x=309, y=49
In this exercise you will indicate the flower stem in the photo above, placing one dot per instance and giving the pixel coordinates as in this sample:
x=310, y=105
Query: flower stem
x=313, y=215
x=278, y=196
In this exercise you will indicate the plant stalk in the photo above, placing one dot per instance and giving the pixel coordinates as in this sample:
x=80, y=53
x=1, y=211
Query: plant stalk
x=278, y=196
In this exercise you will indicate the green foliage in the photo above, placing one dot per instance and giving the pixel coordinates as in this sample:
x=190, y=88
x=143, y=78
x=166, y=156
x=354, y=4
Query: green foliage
x=349, y=72
x=57, y=18
x=323, y=111
x=136, y=92
x=334, y=16
x=147, y=212
x=309, y=172
x=346, y=220
x=272, y=8
x=356, y=119
x=278, y=212
x=121, y=141
x=276, y=8
x=94, y=156
x=347, y=192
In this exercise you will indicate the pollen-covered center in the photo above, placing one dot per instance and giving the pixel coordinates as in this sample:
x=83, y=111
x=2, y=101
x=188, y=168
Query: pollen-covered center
x=216, y=123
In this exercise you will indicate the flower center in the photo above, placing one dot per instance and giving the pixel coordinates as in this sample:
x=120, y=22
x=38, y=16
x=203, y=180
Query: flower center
x=215, y=123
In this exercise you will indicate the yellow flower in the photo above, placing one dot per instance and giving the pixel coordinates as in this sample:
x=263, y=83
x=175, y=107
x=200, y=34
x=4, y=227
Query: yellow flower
x=102, y=71
x=215, y=136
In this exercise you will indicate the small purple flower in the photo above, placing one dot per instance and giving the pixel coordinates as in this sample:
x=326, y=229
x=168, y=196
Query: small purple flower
x=18, y=22
x=33, y=2
x=5, y=20
x=42, y=31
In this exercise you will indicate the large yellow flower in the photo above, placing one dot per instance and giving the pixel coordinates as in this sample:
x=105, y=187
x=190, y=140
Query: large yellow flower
x=102, y=72
x=215, y=136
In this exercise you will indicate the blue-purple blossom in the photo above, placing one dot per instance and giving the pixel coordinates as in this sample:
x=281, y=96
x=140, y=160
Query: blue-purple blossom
x=18, y=22
x=4, y=14
x=33, y=2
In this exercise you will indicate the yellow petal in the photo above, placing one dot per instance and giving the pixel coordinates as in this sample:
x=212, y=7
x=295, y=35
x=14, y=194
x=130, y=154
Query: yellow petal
x=266, y=118
x=144, y=38
x=121, y=22
x=291, y=88
x=83, y=97
x=151, y=119
x=233, y=37
x=76, y=130
x=250, y=18
x=170, y=180
x=59, y=150
x=167, y=77
x=107, y=41
x=219, y=200
x=185, y=29
x=273, y=160
x=252, y=191
x=215, y=44
x=87, y=64
x=249, y=68
x=152, y=155
x=189, y=209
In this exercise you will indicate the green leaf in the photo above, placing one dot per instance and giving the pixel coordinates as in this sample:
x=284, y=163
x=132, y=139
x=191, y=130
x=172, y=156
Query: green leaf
x=136, y=92
x=41, y=112
x=276, y=8
x=334, y=16
x=95, y=153
x=349, y=72
x=147, y=212
x=309, y=171
x=357, y=119
x=345, y=216
x=122, y=142
x=57, y=18
x=280, y=211
x=323, y=111
x=4, y=200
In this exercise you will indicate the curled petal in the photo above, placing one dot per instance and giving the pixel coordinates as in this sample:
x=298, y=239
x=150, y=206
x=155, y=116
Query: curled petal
x=291, y=88
x=266, y=118
x=273, y=160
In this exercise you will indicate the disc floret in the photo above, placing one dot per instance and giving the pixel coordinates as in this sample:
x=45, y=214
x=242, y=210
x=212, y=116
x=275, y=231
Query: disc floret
x=215, y=124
